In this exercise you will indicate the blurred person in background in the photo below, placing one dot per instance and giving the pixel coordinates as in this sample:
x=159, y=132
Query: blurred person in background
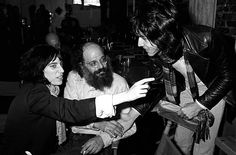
x=57, y=18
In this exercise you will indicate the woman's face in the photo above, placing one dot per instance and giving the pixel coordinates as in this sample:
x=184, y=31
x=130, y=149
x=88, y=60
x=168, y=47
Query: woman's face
x=53, y=72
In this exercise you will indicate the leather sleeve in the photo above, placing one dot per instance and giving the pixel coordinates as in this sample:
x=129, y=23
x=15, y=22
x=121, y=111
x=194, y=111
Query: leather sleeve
x=154, y=95
x=221, y=70
x=212, y=56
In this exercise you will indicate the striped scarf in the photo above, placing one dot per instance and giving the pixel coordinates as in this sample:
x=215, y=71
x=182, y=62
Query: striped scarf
x=60, y=126
x=191, y=79
x=205, y=118
x=170, y=81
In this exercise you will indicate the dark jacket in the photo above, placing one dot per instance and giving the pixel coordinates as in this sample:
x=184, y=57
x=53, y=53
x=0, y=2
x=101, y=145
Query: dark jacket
x=212, y=56
x=31, y=121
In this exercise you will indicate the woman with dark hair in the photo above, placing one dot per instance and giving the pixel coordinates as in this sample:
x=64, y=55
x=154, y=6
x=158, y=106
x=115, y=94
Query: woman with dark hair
x=32, y=123
x=202, y=56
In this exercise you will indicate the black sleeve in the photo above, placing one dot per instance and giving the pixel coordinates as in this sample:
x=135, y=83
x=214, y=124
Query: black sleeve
x=221, y=54
x=154, y=95
x=42, y=102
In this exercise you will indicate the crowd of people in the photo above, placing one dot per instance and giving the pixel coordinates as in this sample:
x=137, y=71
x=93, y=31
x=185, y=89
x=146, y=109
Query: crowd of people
x=71, y=101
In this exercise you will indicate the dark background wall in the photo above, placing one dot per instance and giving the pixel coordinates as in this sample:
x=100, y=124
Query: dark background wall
x=226, y=16
x=114, y=10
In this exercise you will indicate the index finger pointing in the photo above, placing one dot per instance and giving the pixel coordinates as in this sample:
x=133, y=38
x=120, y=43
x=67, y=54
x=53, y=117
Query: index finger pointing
x=140, y=82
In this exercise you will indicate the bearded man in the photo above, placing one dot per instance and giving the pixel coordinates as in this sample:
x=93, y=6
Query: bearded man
x=92, y=76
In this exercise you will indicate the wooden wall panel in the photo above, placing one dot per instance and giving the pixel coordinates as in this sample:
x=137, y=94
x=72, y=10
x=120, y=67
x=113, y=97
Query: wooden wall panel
x=203, y=11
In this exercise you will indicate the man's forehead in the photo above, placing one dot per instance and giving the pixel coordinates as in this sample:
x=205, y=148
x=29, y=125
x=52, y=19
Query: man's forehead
x=92, y=52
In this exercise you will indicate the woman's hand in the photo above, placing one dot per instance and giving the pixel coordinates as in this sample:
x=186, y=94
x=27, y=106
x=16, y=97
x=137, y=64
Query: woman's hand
x=139, y=89
x=113, y=128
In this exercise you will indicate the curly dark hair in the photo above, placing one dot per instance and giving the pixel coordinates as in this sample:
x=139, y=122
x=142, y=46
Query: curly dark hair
x=156, y=20
x=33, y=62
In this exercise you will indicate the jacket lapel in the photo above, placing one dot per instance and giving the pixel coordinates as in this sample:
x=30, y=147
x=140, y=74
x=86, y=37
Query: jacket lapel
x=199, y=64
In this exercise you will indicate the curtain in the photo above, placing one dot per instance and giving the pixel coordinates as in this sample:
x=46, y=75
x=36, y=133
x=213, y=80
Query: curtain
x=203, y=12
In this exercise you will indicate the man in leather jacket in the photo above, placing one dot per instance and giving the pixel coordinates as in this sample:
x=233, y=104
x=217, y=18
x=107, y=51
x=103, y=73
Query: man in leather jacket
x=204, y=57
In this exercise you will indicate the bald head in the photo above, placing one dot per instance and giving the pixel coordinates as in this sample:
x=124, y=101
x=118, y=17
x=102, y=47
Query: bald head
x=96, y=68
x=92, y=51
x=53, y=40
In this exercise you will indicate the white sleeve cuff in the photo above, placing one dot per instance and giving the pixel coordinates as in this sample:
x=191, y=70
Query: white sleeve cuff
x=104, y=106
x=202, y=106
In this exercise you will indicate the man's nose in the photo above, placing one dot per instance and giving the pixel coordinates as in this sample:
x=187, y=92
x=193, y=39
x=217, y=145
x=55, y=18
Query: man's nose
x=140, y=42
x=100, y=65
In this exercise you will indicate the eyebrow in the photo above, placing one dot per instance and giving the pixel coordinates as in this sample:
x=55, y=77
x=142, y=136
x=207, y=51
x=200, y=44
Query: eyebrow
x=53, y=63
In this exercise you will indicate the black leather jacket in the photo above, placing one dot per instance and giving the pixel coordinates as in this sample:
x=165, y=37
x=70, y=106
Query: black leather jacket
x=212, y=56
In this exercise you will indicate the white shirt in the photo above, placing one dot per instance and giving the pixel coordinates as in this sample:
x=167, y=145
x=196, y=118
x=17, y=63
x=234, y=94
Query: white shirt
x=78, y=88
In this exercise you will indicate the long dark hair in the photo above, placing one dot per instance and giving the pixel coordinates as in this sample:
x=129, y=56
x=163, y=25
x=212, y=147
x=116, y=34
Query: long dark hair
x=156, y=20
x=34, y=61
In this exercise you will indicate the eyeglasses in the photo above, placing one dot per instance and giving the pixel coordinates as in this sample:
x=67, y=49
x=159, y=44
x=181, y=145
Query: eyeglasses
x=95, y=63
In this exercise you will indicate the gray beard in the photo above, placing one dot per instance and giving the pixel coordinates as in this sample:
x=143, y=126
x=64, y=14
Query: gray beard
x=99, y=81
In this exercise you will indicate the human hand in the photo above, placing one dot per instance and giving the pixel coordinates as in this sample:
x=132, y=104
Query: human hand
x=93, y=145
x=113, y=128
x=139, y=89
x=190, y=110
x=126, y=123
x=127, y=119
